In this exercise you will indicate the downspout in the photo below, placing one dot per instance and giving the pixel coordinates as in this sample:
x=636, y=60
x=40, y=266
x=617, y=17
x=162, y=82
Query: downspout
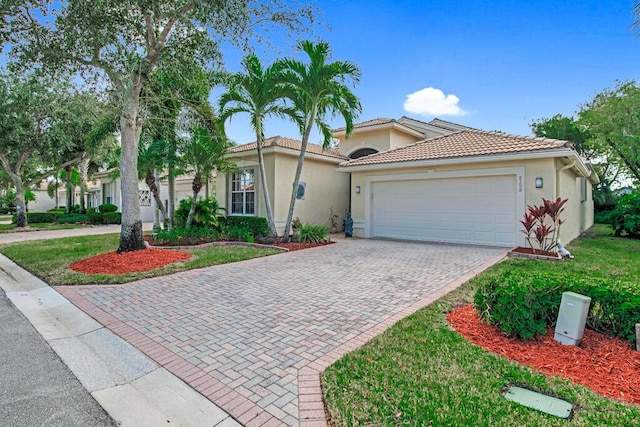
x=569, y=166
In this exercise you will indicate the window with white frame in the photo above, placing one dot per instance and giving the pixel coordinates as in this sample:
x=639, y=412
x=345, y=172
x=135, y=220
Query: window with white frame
x=107, y=193
x=584, y=196
x=243, y=193
x=145, y=197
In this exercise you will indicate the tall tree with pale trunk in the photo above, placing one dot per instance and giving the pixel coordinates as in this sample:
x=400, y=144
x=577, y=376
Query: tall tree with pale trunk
x=120, y=42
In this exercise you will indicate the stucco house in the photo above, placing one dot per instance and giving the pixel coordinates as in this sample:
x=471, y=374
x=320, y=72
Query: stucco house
x=407, y=179
x=322, y=188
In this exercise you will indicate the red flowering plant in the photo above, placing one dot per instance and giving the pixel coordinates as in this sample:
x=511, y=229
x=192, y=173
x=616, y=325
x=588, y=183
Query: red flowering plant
x=542, y=222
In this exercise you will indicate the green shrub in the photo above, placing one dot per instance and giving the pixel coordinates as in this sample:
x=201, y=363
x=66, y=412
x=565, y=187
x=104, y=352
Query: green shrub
x=112, y=218
x=234, y=232
x=309, y=233
x=207, y=212
x=95, y=218
x=72, y=218
x=6, y=210
x=253, y=225
x=186, y=236
x=36, y=217
x=625, y=217
x=59, y=210
x=602, y=217
x=107, y=207
x=525, y=304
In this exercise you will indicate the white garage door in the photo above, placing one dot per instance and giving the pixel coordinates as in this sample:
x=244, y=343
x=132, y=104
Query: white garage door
x=477, y=210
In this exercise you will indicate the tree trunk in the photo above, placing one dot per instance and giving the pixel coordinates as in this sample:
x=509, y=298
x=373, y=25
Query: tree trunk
x=69, y=189
x=131, y=230
x=263, y=179
x=84, y=172
x=150, y=180
x=21, y=208
x=196, y=186
x=172, y=196
x=296, y=180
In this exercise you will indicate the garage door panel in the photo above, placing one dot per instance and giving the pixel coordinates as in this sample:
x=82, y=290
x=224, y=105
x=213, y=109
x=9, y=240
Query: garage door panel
x=477, y=210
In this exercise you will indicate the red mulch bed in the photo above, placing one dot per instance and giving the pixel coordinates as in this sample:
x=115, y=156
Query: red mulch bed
x=605, y=364
x=128, y=262
x=149, y=259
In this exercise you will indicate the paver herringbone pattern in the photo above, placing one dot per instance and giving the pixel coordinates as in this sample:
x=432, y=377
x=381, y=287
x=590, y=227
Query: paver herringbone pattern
x=253, y=325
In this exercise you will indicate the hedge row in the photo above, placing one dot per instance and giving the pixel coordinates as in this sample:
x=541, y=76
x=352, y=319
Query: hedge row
x=93, y=218
x=256, y=225
x=525, y=304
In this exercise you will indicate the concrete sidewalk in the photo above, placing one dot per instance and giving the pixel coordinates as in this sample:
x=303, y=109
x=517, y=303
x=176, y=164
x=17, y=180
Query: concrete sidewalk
x=133, y=389
x=21, y=236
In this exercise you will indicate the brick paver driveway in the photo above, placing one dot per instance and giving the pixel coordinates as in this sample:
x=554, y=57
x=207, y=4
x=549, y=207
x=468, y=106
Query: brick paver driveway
x=254, y=336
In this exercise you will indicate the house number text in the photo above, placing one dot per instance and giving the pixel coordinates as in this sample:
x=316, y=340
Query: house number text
x=520, y=184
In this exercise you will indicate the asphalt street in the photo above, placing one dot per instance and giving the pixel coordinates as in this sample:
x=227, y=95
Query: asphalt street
x=36, y=387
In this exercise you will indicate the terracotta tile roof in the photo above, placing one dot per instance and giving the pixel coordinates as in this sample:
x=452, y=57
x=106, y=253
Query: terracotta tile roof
x=292, y=144
x=447, y=125
x=373, y=122
x=465, y=143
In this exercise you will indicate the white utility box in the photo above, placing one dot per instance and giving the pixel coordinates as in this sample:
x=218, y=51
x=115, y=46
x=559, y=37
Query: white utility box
x=572, y=318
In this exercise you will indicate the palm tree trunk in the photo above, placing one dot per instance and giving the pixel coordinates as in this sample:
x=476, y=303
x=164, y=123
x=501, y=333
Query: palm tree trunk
x=172, y=196
x=296, y=180
x=265, y=189
x=150, y=180
x=196, y=186
x=69, y=189
x=84, y=172
x=57, y=184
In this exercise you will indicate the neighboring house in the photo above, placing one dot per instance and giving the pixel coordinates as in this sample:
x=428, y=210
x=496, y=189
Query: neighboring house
x=322, y=187
x=105, y=188
x=111, y=192
x=408, y=179
x=43, y=202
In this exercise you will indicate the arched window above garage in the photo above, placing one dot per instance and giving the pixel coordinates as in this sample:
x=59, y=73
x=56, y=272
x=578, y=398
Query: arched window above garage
x=362, y=152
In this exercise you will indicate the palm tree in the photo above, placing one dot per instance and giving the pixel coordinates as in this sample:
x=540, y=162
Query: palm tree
x=150, y=159
x=318, y=89
x=204, y=151
x=258, y=92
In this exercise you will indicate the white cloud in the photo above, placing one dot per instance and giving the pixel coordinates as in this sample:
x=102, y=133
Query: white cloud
x=433, y=102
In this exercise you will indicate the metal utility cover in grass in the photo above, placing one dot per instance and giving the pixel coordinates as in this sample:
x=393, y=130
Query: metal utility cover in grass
x=541, y=402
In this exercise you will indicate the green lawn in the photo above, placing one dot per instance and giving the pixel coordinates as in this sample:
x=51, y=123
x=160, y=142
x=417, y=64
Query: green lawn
x=50, y=259
x=11, y=228
x=420, y=372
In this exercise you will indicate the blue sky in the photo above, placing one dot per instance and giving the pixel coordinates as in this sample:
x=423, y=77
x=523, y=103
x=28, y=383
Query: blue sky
x=493, y=65
x=507, y=63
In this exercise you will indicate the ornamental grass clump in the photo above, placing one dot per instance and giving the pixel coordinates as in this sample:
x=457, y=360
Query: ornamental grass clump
x=542, y=222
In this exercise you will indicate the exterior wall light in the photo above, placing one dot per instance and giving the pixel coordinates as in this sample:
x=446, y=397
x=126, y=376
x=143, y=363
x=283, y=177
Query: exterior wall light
x=539, y=182
x=357, y=189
